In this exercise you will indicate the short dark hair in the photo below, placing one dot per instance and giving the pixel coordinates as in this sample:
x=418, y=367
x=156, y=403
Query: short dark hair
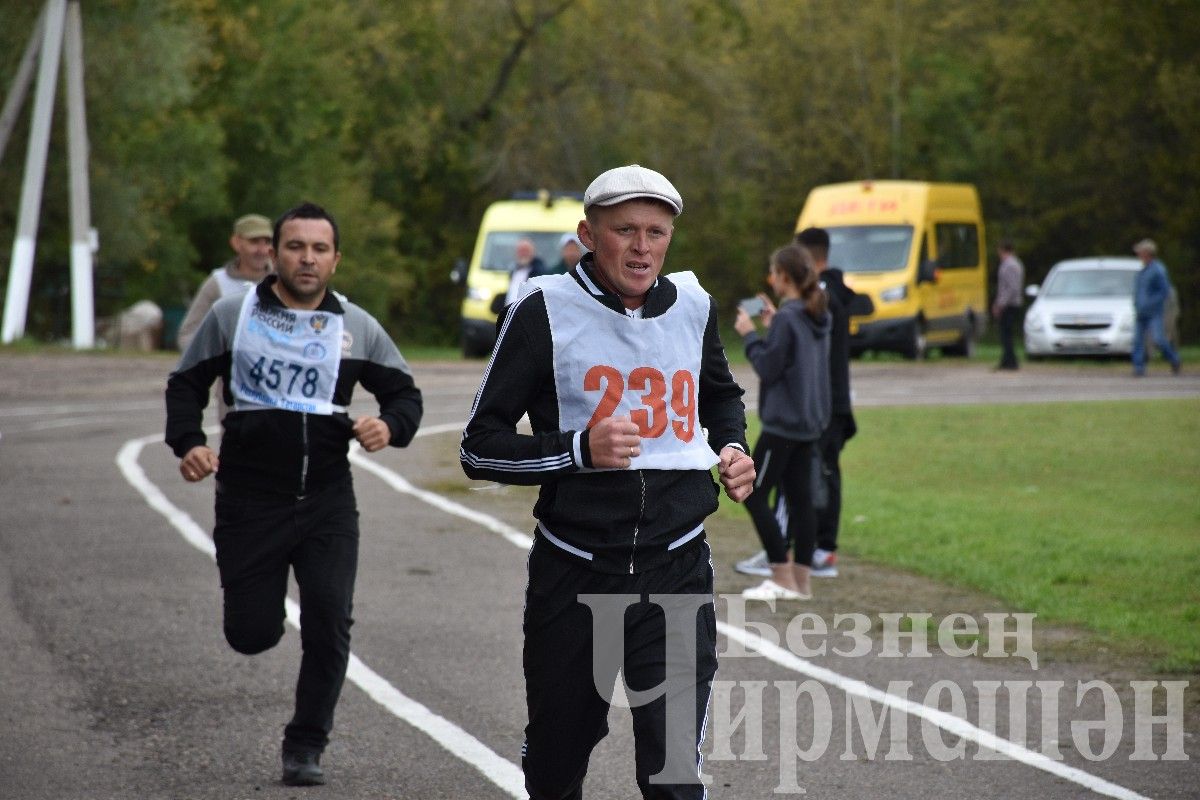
x=306, y=210
x=816, y=240
x=1006, y=245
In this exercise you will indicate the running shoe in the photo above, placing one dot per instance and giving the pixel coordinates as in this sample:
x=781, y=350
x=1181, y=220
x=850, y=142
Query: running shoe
x=824, y=564
x=756, y=564
x=770, y=590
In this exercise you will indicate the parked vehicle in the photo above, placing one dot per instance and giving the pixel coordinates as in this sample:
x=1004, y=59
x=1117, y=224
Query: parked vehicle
x=917, y=249
x=541, y=217
x=1085, y=308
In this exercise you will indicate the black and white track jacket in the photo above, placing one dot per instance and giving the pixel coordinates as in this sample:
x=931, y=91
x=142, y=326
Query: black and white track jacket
x=620, y=521
x=282, y=451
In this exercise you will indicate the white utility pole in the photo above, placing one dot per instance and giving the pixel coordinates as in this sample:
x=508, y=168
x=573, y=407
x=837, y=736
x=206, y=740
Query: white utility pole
x=60, y=20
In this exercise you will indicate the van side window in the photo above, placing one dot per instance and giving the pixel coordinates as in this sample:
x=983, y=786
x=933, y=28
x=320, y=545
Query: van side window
x=957, y=245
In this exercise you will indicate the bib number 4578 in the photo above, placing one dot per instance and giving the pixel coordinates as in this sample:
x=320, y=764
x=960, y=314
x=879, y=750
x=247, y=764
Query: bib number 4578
x=652, y=419
x=272, y=375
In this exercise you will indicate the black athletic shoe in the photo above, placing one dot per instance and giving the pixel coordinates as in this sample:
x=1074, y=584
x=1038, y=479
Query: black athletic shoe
x=302, y=769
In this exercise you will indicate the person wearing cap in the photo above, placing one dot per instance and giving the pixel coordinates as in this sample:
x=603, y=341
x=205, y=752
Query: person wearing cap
x=1151, y=289
x=622, y=374
x=251, y=243
x=290, y=352
x=570, y=250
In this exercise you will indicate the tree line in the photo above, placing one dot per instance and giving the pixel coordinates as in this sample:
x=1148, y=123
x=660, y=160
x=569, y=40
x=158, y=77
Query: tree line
x=1077, y=120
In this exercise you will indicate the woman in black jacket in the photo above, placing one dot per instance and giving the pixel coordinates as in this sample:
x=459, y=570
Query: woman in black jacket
x=792, y=363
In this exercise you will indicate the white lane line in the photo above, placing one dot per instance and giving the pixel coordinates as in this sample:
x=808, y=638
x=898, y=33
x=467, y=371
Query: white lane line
x=948, y=722
x=42, y=411
x=501, y=772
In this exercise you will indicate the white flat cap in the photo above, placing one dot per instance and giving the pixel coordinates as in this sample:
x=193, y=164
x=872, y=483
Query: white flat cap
x=629, y=183
x=1147, y=245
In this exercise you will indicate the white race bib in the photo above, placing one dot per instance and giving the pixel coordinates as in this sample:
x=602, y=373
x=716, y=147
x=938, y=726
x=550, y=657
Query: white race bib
x=608, y=364
x=285, y=358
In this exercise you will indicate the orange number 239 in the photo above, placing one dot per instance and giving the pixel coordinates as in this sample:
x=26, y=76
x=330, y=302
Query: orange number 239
x=653, y=418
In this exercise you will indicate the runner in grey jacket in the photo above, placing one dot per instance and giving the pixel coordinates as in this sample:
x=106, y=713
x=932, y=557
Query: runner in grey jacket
x=290, y=353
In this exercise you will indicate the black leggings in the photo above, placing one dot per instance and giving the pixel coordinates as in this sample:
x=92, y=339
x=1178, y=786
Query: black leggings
x=258, y=538
x=786, y=465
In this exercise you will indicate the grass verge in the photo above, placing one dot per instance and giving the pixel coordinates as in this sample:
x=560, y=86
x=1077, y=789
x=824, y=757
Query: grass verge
x=1085, y=513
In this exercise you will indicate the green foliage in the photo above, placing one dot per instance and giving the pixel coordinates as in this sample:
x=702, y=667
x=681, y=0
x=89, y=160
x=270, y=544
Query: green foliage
x=1076, y=120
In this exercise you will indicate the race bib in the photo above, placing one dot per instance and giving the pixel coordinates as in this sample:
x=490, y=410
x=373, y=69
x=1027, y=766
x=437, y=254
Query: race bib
x=607, y=364
x=285, y=358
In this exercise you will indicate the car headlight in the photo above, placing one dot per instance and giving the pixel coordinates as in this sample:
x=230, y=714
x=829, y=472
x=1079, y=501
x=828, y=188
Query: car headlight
x=1033, y=322
x=894, y=294
x=1126, y=323
x=475, y=293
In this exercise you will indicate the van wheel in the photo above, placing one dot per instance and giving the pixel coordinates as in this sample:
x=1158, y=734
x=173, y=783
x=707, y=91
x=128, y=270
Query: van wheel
x=965, y=346
x=472, y=348
x=915, y=347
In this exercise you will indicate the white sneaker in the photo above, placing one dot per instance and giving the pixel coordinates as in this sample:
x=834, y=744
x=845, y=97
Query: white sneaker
x=756, y=564
x=770, y=590
x=824, y=564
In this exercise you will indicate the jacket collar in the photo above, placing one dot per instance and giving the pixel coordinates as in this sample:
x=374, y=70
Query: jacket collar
x=660, y=297
x=267, y=296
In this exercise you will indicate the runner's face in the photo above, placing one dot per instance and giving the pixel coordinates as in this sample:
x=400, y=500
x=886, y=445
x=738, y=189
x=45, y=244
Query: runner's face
x=630, y=243
x=305, y=261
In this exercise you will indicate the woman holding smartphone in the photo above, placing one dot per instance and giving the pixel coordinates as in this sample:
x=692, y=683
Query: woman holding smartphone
x=791, y=360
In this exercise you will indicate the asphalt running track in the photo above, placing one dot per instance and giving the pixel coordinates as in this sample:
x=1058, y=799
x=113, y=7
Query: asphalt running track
x=117, y=680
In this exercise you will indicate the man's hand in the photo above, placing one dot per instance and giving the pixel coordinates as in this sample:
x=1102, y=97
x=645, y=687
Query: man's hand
x=614, y=442
x=372, y=433
x=198, y=463
x=737, y=473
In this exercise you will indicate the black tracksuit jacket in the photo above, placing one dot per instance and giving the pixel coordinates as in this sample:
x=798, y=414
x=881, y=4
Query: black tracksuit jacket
x=625, y=518
x=289, y=452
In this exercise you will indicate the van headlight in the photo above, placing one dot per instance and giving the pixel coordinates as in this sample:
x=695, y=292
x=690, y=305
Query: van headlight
x=475, y=293
x=895, y=294
x=1033, y=322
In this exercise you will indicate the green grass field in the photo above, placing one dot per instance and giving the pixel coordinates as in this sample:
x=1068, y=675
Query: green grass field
x=1085, y=513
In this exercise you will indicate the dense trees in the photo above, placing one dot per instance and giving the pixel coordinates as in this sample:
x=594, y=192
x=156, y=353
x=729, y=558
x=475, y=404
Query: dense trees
x=1077, y=120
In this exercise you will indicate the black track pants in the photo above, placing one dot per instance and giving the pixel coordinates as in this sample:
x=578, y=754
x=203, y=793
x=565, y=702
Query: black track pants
x=258, y=538
x=568, y=716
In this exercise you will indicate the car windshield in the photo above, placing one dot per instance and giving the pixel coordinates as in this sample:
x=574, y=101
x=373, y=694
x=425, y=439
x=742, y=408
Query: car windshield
x=1091, y=283
x=870, y=248
x=500, y=248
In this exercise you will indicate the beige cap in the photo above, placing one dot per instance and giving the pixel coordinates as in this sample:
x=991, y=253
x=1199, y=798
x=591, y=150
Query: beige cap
x=1146, y=245
x=253, y=226
x=630, y=183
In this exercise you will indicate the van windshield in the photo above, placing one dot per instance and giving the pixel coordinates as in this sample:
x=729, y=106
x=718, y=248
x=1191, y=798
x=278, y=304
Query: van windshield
x=870, y=248
x=500, y=248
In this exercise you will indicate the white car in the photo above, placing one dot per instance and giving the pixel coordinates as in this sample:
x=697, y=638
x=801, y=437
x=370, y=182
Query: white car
x=1085, y=307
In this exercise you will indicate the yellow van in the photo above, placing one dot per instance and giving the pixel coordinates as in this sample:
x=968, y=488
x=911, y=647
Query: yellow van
x=541, y=217
x=917, y=249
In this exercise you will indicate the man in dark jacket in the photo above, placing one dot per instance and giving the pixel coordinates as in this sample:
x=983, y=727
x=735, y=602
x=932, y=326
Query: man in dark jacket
x=290, y=352
x=844, y=302
x=619, y=370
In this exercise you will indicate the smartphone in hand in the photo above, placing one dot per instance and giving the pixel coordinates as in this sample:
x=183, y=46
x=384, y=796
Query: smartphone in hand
x=751, y=305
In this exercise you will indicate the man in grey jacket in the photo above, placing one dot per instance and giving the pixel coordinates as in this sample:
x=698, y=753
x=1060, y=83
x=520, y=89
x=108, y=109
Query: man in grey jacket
x=290, y=352
x=1007, y=305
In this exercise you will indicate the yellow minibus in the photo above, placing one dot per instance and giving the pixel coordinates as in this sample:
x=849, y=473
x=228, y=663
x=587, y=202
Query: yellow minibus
x=917, y=249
